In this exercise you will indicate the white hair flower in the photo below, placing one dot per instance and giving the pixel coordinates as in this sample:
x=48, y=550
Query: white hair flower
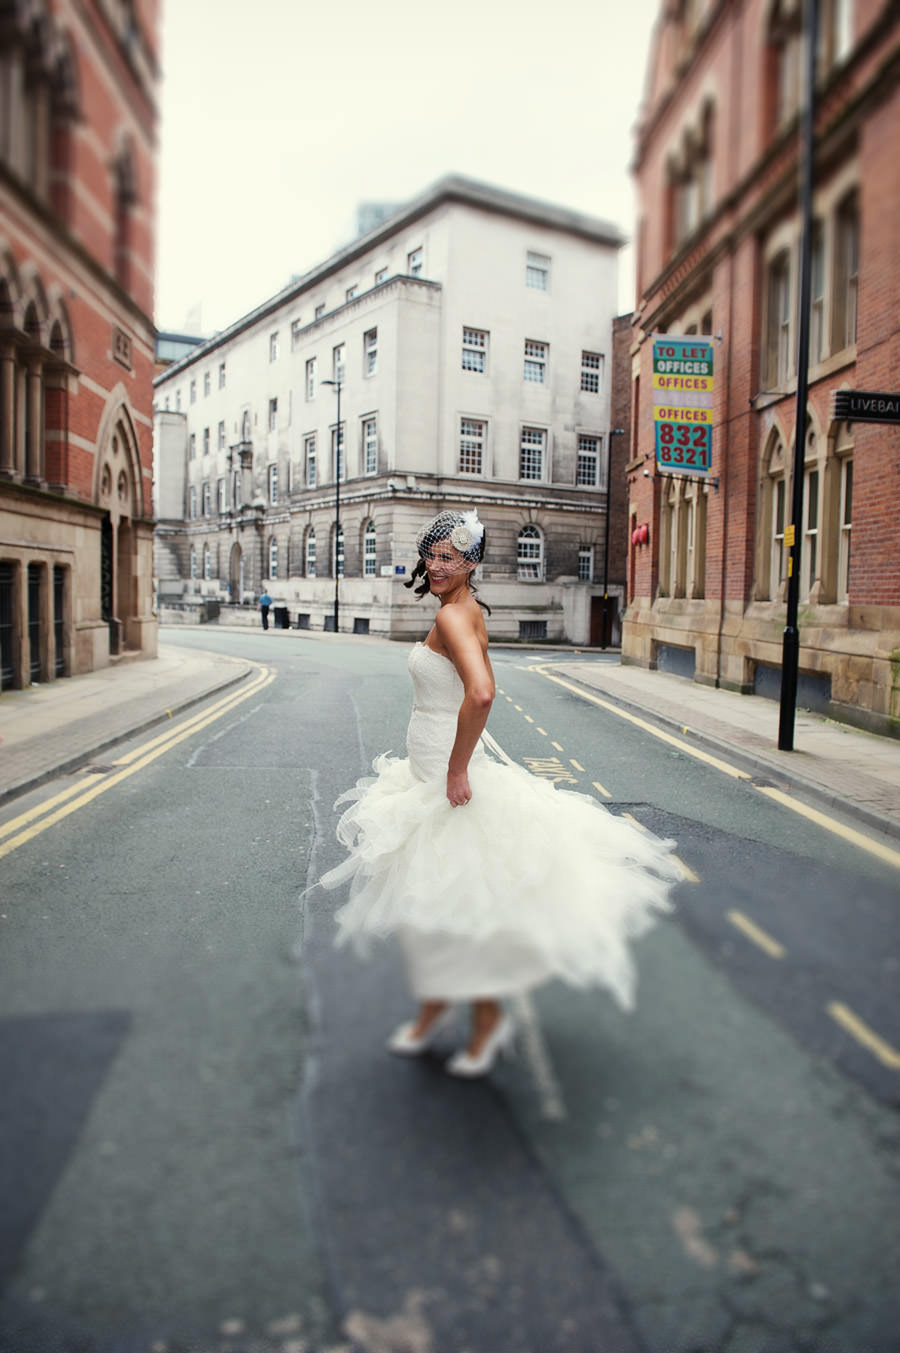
x=468, y=533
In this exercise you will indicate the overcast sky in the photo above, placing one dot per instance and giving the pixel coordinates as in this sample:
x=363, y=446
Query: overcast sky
x=279, y=117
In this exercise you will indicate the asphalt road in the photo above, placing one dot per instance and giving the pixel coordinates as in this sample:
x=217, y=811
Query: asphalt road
x=204, y=1146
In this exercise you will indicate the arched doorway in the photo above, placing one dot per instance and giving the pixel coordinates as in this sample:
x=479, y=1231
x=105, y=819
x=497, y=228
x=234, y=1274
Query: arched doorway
x=236, y=575
x=118, y=493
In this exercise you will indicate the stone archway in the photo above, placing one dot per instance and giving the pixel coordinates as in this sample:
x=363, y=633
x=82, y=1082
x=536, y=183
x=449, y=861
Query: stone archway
x=118, y=492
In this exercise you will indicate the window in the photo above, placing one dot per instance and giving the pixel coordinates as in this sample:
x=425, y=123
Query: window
x=207, y=500
x=194, y=391
x=337, y=553
x=415, y=262
x=337, y=362
x=531, y=453
x=206, y=441
x=273, y=558
x=221, y=375
x=320, y=310
x=221, y=435
x=779, y=361
x=369, y=551
x=245, y=426
x=192, y=446
x=809, y=557
x=474, y=349
x=296, y=327
x=471, y=446
x=586, y=564
x=846, y=521
x=311, y=378
x=591, y=372
x=586, y=473
x=370, y=352
x=817, y=295
x=272, y=483
x=370, y=445
x=835, y=34
x=350, y=294
x=535, y=361
x=773, y=517
x=192, y=503
x=273, y=414
x=178, y=401
x=530, y=555
x=783, y=61
x=207, y=563
x=537, y=272
x=309, y=456
x=846, y=280
x=193, y=562
x=273, y=347
x=207, y=382
x=221, y=501
x=338, y=468
x=310, y=567
x=381, y=276
x=236, y=489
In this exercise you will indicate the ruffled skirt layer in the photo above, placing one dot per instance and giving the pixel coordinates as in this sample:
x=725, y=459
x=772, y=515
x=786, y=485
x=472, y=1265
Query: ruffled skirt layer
x=524, y=883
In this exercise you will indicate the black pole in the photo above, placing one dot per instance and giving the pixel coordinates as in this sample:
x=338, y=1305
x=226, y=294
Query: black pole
x=337, y=383
x=790, y=656
x=613, y=432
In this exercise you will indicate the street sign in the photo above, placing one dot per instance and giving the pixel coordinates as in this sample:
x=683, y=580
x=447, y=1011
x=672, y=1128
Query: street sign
x=865, y=406
x=683, y=383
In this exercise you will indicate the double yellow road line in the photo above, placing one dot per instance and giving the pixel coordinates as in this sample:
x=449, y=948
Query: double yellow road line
x=24, y=828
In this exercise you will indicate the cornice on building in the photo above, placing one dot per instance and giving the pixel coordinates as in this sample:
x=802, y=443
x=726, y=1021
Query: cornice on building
x=454, y=188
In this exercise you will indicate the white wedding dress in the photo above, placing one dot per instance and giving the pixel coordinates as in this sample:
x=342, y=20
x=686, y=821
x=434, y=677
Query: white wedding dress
x=524, y=883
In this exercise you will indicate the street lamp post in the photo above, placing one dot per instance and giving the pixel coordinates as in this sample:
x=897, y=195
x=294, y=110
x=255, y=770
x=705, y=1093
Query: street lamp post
x=338, y=446
x=613, y=432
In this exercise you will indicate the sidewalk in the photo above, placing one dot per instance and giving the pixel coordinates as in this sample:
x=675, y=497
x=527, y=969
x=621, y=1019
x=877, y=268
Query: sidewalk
x=51, y=730
x=835, y=765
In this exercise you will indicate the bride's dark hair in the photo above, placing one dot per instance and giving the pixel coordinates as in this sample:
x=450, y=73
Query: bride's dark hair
x=443, y=526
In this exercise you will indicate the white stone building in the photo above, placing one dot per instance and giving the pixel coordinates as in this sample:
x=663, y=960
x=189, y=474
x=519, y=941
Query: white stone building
x=471, y=334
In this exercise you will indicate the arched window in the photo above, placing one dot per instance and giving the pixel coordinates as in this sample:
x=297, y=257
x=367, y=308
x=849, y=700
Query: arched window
x=273, y=558
x=369, y=552
x=193, y=562
x=311, y=552
x=783, y=61
x=337, y=553
x=771, y=558
x=125, y=197
x=846, y=272
x=207, y=563
x=530, y=554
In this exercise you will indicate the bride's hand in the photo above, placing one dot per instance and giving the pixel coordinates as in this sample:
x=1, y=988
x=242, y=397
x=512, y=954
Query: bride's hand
x=458, y=791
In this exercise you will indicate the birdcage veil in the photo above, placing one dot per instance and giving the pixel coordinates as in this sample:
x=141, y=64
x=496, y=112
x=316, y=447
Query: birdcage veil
x=462, y=529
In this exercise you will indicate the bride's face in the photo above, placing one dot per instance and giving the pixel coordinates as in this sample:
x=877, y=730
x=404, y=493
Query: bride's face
x=445, y=564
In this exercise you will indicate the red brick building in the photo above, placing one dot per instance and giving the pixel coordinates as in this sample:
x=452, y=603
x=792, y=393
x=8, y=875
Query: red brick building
x=77, y=182
x=718, y=254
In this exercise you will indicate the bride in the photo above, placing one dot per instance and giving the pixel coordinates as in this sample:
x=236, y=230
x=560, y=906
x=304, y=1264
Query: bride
x=494, y=880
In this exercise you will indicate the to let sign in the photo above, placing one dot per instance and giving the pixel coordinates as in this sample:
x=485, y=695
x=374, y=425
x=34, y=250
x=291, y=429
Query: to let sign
x=683, y=404
x=865, y=406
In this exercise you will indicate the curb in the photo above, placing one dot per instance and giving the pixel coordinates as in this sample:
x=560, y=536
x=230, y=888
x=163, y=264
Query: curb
x=755, y=765
x=67, y=767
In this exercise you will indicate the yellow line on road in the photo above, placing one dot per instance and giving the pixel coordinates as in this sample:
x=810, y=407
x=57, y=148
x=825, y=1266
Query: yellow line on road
x=576, y=764
x=152, y=750
x=529, y=718
x=760, y=937
x=870, y=1040
x=832, y=825
x=685, y=747
x=690, y=876
x=556, y=745
x=600, y=790
x=542, y=731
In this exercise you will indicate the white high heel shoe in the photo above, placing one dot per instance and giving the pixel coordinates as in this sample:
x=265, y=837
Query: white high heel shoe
x=500, y=1040
x=403, y=1043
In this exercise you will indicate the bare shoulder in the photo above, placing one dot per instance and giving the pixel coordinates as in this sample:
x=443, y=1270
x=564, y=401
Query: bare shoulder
x=461, y=622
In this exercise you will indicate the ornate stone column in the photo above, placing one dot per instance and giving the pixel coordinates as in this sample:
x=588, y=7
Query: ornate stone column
x=7, y=411
x=34, y=429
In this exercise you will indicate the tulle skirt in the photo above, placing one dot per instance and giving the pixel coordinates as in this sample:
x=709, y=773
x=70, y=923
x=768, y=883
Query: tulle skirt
x=524, y=883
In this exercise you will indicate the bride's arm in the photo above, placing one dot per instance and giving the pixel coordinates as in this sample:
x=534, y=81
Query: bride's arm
x=459, y=637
